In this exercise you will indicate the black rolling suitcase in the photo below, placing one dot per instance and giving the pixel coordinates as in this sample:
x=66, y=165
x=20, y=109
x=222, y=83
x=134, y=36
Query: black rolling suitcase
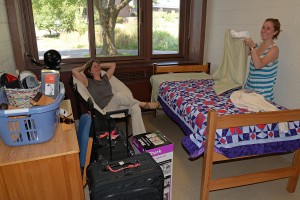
x=136, y=178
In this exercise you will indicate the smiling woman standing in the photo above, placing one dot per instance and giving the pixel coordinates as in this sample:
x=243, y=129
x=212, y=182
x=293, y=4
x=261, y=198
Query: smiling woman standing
x=264, y=60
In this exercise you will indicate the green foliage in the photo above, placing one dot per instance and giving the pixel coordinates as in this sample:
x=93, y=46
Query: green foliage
x=166, y=17
x=80, y=24
x=67, y=18
x=171, y=17
x=133, y=14
x=120, y=20
x=165, y=31
x=126, y=36
x=164, y=41
x=56, y=15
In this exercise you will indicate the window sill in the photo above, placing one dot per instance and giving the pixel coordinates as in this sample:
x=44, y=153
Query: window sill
x=65, y=67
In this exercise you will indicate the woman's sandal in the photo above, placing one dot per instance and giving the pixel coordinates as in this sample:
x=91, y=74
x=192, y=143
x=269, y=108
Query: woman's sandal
x=150, y=106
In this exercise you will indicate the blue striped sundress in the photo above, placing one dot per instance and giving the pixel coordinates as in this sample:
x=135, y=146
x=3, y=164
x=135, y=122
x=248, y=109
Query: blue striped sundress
x=263, y=80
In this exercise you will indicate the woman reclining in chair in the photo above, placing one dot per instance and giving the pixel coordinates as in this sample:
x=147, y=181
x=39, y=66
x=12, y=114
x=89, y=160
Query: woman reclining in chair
x=100, y=89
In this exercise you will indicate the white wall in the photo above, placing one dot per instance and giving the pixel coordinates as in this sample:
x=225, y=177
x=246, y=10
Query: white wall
x=7, y=63
x=249, y=15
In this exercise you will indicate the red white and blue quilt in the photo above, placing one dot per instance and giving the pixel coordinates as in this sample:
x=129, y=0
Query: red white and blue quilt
x=188, y=102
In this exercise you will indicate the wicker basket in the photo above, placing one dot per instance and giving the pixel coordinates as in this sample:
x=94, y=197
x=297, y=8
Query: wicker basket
x=21, y=97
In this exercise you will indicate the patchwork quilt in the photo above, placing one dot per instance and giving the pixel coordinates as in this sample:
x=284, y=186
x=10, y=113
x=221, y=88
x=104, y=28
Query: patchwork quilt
x=188, y=102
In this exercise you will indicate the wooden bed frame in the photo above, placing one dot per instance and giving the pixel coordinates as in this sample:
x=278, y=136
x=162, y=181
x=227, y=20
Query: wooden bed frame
x=163, y=69
x=160, y=69
x=219, y=122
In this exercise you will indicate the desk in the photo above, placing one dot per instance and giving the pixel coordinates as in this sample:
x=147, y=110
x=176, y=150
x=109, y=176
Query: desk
x=43, y=171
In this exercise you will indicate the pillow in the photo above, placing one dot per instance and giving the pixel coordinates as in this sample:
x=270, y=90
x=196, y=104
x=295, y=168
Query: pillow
x=117, y=85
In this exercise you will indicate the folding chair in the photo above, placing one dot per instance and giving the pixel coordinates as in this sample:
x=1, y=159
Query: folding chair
x=107, y=119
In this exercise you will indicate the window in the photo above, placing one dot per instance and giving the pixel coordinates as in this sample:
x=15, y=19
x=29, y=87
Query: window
x=165, y=27
x=116, y=29
x=61, y=25
x=120, y=30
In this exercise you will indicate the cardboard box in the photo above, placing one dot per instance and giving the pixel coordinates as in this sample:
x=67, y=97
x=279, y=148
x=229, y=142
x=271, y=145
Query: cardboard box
x=161, y=149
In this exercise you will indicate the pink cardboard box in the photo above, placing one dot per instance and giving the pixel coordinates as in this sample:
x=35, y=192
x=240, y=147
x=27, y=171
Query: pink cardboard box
x=161, y=149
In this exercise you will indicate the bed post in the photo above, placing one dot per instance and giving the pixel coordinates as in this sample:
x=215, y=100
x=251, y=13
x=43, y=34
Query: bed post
x=293, y=180
x=208, y=66
x=154, y=67
x=208, y=155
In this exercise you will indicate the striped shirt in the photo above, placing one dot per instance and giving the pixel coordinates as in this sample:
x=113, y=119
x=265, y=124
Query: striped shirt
x=263, y=80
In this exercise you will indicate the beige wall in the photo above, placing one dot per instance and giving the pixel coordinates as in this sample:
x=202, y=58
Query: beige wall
x=249, y=15
x=7, y=63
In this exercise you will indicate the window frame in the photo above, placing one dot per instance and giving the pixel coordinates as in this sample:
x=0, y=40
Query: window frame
x=145, y=34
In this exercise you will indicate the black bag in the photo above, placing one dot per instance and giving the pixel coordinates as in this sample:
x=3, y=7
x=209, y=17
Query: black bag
x=135, y=178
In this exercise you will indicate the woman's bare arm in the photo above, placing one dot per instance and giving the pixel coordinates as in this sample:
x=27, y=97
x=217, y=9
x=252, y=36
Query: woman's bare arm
x=270, y=57
x=111, y=66
x=77, y=74
x=258, y=62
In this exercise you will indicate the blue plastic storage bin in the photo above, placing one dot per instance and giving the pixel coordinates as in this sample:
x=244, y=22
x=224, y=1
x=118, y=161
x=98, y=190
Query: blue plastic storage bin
x=30, y=125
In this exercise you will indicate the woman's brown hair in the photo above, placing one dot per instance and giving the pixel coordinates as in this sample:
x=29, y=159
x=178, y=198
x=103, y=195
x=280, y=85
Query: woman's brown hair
x=276, y=25
x=87, y=69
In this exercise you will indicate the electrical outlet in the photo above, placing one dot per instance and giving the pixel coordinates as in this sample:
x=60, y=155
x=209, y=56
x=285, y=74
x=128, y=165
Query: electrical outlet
x=194, y=50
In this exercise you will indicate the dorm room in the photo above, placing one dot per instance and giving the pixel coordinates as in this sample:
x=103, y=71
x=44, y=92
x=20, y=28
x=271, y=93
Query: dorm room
x=209, y=142
x=215, y=128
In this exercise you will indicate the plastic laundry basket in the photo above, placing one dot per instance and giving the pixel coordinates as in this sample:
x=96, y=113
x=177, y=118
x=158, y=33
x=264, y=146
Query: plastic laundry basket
x=30, y=125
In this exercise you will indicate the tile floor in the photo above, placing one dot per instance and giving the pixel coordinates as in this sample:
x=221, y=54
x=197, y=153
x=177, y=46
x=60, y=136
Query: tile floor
x=187, y=173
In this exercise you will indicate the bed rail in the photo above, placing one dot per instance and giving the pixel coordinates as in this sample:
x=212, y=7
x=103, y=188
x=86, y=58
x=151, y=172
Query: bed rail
x=157, y=69
x=218, y=122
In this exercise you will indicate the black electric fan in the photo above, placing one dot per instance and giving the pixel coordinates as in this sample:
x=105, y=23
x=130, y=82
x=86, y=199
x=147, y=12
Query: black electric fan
x=52, y=59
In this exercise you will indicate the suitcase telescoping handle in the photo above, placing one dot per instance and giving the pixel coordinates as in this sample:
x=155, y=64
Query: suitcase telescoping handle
x=121, y=166
x=125, y=117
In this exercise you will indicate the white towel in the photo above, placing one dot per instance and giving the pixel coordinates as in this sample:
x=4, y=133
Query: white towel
x=255, y=103
x=240, y=34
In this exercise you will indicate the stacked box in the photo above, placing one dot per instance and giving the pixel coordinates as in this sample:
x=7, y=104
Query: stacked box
x=161, y=149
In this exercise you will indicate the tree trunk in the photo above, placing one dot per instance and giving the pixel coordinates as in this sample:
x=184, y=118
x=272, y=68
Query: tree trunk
x=108, y=35
x=108, y=13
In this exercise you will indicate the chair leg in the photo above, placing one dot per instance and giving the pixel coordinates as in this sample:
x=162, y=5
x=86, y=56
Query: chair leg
x=155, y=113
x=127, y=139
x=293, y=180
